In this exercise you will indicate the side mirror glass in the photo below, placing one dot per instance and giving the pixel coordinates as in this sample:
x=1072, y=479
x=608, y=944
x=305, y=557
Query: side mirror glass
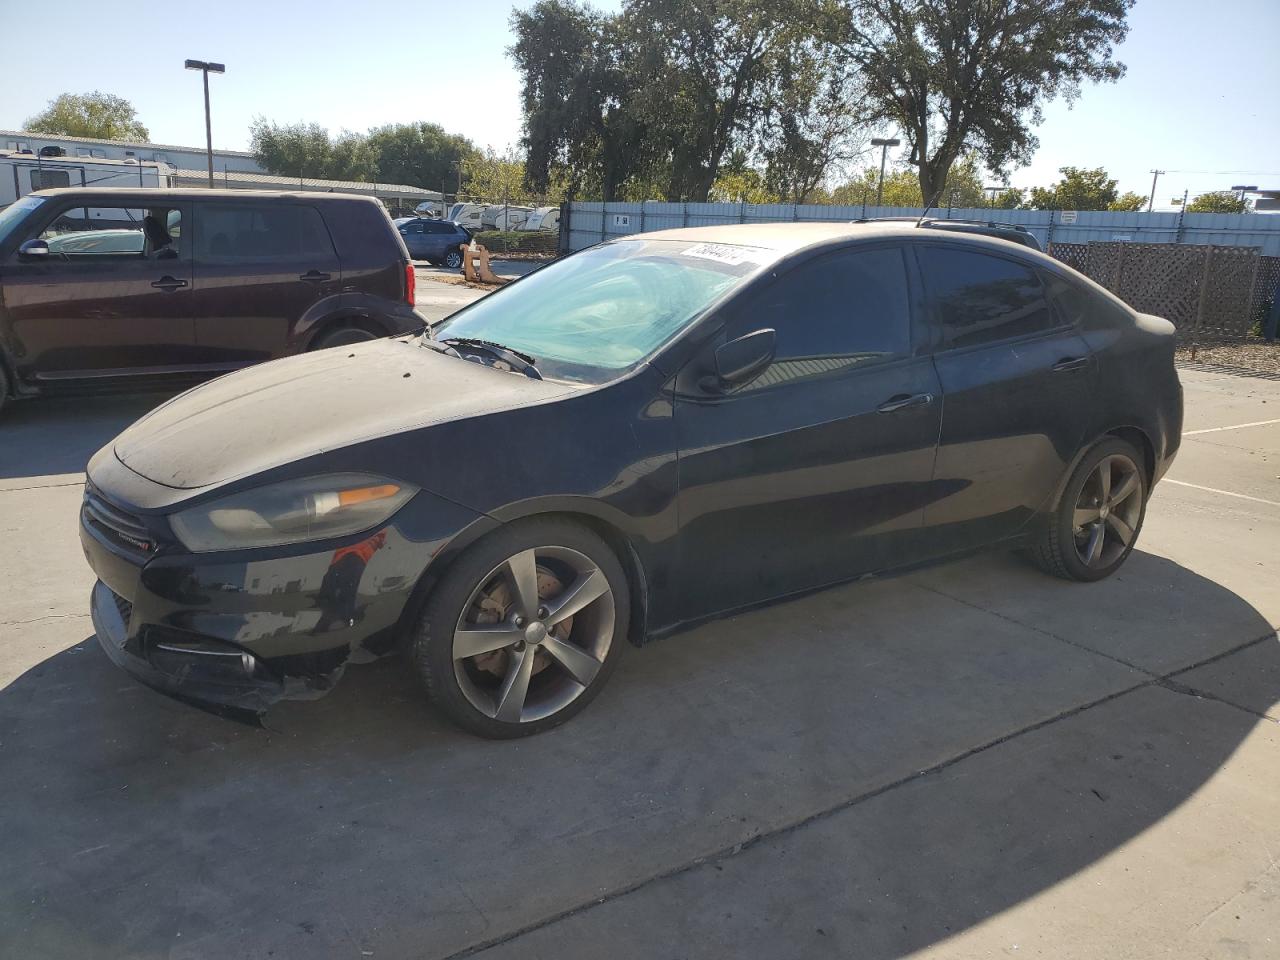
x=741, y=360
x=34, y=250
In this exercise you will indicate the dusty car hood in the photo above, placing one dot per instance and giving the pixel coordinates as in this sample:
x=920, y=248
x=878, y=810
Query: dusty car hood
x=285, y=410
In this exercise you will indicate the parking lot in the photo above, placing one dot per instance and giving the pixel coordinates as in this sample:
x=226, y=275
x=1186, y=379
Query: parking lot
x=972, y=760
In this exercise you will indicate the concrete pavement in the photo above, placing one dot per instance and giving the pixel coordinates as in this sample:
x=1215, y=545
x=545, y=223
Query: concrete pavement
x=973, y=760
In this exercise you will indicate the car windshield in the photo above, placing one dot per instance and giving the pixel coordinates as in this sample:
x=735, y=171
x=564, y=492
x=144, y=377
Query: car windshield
x=15, y=212
x=608, y=308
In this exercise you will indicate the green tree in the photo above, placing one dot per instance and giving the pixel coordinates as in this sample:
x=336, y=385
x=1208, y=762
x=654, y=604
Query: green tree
x=574, y=63
x=307, y=150
x=961, y=188
x=812, y=127
x=958, y=76
x=663, y=91
x=741, y=186
x=99, y=115
x=419, y=154
x=1010, y=198
x=1128, y=201
x=1219, y=201
x=1079, y=189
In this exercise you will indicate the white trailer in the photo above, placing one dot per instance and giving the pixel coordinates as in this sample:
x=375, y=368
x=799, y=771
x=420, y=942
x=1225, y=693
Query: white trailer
x=23, y=173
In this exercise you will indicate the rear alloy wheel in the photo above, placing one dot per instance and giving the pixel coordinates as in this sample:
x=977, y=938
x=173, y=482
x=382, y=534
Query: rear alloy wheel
x=344, y=337
x=453, y=259
x=525, y=628
x=1097, y=521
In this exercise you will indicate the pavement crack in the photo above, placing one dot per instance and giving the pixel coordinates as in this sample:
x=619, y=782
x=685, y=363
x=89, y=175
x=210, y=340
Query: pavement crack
x=50, y=616
x=1042, y=631
x=739, y=847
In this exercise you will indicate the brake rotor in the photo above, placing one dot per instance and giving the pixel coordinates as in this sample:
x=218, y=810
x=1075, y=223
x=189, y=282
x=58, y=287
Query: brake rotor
x=497, y=603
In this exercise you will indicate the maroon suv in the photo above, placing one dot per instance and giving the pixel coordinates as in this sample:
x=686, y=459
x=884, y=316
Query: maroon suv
x=114, y=288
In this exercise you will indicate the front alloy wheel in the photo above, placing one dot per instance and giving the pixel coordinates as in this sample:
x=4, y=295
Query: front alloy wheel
x=524, y=630
x=453, y=259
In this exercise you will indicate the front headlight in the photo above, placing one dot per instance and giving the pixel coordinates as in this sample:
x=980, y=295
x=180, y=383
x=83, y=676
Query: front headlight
x=295, y=511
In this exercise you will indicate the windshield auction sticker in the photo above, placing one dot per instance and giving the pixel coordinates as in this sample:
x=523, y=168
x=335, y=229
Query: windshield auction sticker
x=728, y=253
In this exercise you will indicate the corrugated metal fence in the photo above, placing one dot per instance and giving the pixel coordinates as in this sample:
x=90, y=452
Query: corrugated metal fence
x=592, y=222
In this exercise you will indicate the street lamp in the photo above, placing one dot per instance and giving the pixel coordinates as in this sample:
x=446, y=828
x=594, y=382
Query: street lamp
x=207, y=68
x=884, y=146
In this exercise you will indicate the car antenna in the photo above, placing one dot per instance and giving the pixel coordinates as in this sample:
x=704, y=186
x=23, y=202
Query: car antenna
x=923, y=215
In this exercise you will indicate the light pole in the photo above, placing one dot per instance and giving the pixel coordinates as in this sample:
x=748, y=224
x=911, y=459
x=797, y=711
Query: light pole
x=206, y=68
x=884, y=146
x=1155, y=175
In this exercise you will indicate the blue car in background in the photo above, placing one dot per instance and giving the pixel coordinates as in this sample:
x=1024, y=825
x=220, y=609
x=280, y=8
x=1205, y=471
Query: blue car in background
x=434, y=240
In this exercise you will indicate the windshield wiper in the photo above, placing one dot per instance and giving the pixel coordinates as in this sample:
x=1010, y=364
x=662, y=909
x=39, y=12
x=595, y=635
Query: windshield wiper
x=513, y=358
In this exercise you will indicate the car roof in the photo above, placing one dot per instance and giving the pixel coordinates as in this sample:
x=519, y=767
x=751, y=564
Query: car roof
x=152, y=194
x=785, y=238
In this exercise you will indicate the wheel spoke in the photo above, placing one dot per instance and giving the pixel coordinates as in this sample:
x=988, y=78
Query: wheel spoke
x=1084, y=516
x=1104, y=480
x=582, y=592
x=580, y=664
x=1120, y=528
x=476, y=639
x=515, y=687
x=523, y=568
x=1093, y=549
x=1125, y=490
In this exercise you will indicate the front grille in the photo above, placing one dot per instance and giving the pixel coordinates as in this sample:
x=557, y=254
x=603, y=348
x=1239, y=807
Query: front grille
x=121, y=528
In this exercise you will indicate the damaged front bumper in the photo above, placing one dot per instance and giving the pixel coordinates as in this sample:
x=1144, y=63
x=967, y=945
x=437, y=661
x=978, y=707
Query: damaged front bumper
x=200, y=671
x=237, y=632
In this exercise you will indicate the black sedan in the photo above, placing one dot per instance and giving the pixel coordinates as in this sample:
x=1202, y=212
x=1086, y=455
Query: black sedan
x=647, y=434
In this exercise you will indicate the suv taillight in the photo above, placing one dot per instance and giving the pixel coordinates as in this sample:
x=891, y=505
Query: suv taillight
x=410, y=284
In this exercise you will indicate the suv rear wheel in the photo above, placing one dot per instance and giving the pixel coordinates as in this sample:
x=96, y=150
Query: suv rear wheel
x=344, y=336
x=453, y=259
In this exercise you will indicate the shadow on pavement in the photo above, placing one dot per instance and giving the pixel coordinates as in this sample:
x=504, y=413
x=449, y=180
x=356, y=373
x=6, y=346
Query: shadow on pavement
x=45, y=437
x=131, y=825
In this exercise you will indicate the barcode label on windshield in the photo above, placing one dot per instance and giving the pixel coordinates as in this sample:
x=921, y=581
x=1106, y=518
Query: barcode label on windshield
x=728, y=253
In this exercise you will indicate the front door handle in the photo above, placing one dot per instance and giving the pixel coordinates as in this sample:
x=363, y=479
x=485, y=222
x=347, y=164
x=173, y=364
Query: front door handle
x=169, y=284
x=1070, y=363
x=314, y=276
x=902, y=401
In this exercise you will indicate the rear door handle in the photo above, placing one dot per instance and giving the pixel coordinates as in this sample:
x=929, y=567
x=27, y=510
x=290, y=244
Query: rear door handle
x=902, y=401
x=169, y=284
x=314, y=276
x=1070, y=363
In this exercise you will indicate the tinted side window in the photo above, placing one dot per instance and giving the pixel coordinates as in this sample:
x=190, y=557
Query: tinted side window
x=852, y=306
x=434, y=227
x=980, y=299
x=228, y=232
x=1076, y=304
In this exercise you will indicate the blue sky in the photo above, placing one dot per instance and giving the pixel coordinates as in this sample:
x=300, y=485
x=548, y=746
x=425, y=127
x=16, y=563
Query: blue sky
x=1200, y=98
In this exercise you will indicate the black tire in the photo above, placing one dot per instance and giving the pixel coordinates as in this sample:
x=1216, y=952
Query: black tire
x=344, y=335
x=453, y=259
x=456, y=685
x=1063, y=547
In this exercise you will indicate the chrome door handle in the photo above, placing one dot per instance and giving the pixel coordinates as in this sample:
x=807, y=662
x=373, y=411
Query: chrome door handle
x=314, y=276
x=169, y=284
x=902, y=401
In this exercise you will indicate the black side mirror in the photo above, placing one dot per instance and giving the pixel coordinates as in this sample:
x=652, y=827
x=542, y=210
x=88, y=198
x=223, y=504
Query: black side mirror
x=34, y=250
x=741, y=360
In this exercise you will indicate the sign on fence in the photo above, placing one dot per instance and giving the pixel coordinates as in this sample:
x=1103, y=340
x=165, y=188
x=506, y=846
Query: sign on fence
x=1068, y=217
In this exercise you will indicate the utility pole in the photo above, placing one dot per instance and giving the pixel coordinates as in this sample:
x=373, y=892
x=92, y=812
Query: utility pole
x=206, y=68
x=884, y=146
x=1155, y=175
